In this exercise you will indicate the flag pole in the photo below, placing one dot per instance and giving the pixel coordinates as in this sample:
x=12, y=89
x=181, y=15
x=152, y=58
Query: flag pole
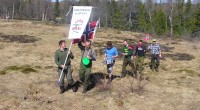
x=65, y=61
x=96, y=29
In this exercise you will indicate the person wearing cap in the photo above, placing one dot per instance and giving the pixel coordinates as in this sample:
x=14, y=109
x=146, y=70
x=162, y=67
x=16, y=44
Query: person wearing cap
x=59, y=58
x=127, y=52
x=110, y=54
x=139, y=55
x=88, y=55
x=155, y=55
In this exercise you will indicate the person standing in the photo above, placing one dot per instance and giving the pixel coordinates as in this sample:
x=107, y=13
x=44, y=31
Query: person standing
x=110, y=56
x=87, y=56
x=139, y=56
x=59, y=58
x=155, y=55
x=127, y=52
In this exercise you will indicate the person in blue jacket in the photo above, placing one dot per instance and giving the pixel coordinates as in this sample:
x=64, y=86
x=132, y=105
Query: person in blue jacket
x=110, y=56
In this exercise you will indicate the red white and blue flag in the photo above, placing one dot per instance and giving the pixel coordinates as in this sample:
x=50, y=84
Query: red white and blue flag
x=88, y=33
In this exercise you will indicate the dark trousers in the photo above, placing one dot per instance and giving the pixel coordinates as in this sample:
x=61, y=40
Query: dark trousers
x=155, y=61
x=84, y=74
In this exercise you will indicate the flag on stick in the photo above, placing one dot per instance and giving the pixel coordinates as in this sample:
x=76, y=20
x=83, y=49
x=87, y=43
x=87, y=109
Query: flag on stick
x=88, y=33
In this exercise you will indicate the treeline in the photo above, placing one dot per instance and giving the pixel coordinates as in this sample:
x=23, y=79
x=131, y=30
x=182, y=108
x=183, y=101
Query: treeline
x=167, y=17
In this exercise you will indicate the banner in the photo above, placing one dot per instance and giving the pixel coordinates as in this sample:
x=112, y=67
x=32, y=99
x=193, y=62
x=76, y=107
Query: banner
x=80, y=18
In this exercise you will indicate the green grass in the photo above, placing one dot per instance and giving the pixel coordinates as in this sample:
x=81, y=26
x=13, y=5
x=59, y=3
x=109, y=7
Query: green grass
x=2, y=72
x=28, y=70
x=24, y=69
x=13, y=68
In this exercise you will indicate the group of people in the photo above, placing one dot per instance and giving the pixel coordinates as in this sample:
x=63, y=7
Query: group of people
x=132, y=56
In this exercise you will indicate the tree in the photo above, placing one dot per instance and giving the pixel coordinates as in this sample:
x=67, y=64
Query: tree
x=141, y=21
x=84, y=2
x=56, y=9
x=196, y=30
x=160, y=20
x=150, y=9
x=117, y=19
x=189, y=19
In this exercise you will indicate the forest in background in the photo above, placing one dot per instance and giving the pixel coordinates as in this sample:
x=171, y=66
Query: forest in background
x=171, y=18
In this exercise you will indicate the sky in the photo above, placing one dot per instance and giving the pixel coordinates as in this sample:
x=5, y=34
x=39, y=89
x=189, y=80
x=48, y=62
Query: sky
x=55, y=0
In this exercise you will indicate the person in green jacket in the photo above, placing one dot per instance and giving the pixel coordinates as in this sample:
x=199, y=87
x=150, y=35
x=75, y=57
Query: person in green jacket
x=87, y=56
x=59, y=58
x=127, y=52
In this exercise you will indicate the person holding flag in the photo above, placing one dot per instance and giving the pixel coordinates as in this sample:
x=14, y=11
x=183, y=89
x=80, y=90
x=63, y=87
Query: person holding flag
x=59, y=58
x=110, y=55
x=88, y=55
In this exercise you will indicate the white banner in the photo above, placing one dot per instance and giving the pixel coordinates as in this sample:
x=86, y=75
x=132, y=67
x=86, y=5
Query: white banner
x=80, y=17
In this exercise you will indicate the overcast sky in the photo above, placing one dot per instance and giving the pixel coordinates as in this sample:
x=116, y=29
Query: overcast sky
x=55, y=0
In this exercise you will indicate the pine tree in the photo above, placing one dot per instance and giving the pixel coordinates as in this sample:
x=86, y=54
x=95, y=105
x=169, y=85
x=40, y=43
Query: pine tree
x=178, y=19
x=141, y=22
x=160, y=20
x=56, y=9
x=197, y=20
x=189, y=21
x=117, y=19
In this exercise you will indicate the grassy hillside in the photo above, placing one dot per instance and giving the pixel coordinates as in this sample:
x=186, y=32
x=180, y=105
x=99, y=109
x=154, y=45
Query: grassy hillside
x=28, y=74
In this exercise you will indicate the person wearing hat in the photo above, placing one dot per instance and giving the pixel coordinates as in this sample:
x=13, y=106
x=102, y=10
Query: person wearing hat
x=59, y=58
x=87, y=56
x=155, y=55
x=110, y=54
x=127, y=52
x=139, y=55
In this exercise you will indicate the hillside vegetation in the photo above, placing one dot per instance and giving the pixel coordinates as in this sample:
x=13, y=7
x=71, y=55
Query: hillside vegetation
x=28, y=74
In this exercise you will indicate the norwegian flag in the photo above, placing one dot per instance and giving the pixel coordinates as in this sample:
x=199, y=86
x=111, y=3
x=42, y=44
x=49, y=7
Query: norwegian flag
x=88, y=33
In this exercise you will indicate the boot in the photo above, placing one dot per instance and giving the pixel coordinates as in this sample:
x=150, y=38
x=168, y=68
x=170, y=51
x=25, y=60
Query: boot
x=156, y=68
x=62, y=89
x=74, y=87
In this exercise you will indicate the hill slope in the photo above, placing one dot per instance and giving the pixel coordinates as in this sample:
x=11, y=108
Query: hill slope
x=29, y=75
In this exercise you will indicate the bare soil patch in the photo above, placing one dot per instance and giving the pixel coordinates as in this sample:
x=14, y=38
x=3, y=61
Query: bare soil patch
x=179, y=56
x=18, y=38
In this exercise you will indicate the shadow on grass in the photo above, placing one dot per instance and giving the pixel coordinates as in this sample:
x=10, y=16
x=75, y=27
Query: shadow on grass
x=95, y=78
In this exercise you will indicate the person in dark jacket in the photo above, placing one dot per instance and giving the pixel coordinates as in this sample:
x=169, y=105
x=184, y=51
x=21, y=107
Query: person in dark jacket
x=139, y=56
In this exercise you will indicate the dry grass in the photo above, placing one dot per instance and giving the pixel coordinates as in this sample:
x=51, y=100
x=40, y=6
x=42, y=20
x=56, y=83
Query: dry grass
x=175, y=86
